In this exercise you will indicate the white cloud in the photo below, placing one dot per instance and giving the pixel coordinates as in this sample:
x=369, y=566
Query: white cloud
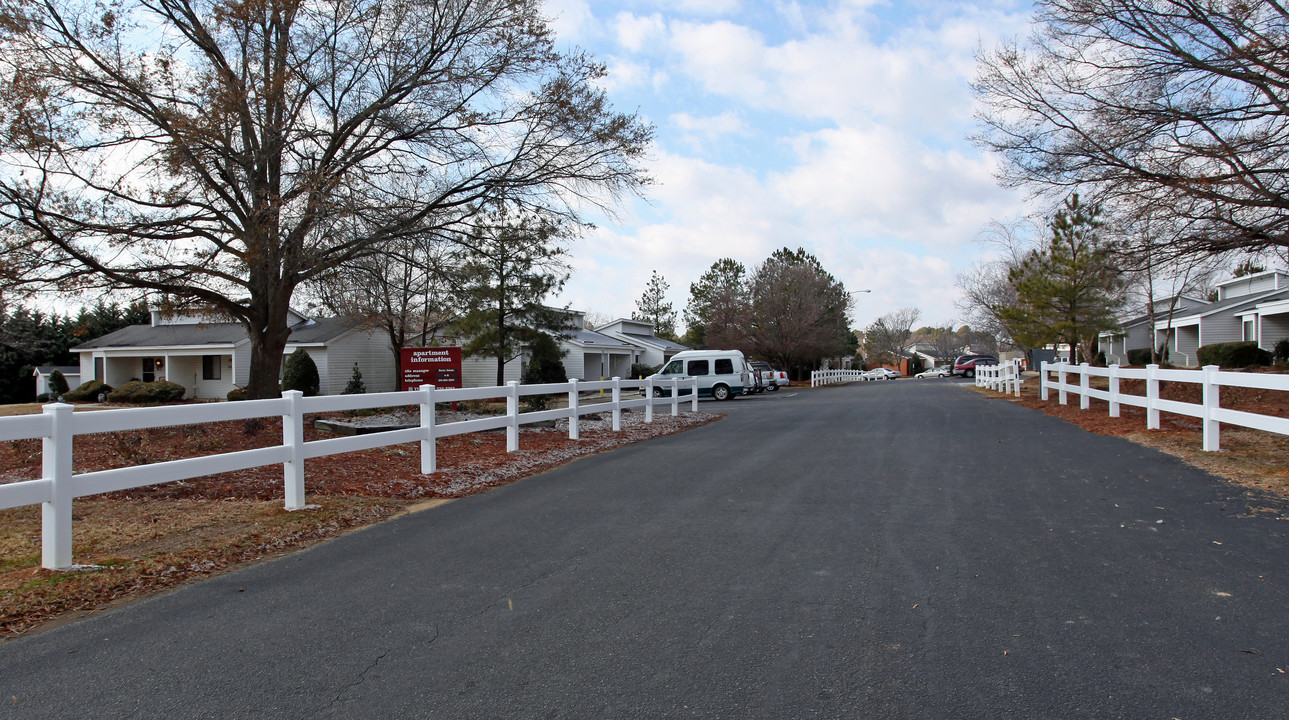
x=700, y=132
x=636, y=33
x=851, y=117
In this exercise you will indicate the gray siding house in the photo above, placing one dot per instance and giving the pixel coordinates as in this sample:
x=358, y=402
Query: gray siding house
x=639, y=333
x=209, y=357
x=1134, y=333
x=1234, y=317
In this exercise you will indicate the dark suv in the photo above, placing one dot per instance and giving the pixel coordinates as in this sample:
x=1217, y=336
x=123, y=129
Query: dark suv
x=965, y=365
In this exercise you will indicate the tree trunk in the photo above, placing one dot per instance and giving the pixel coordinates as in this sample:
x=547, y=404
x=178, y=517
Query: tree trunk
x=267, y=327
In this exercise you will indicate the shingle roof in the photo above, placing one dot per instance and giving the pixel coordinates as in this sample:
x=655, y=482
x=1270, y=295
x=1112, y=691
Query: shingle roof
x=591, y=337
x=655, y=340
x=314, y=331
x=64, y=369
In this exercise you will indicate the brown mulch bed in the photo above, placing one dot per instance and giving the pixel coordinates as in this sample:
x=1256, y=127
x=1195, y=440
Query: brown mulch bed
x=1252, y=458
x=149, y=539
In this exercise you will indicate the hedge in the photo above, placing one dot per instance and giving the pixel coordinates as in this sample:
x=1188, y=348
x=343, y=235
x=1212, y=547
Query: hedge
x=87, y=391
x=1233, y=354
x=137, y=391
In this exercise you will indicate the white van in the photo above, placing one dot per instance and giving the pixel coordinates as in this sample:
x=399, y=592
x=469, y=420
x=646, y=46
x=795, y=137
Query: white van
x=722, y=374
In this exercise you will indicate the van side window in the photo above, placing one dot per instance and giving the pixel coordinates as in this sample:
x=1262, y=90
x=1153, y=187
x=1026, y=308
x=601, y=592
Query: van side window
x=698, y=367
x=724, y=366
x=673, y=368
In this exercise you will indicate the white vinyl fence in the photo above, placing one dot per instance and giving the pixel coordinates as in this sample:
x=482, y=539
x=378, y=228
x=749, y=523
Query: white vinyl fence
x=58, y=426
x=1209, y=411
x=1003, y=377
x=834, y=377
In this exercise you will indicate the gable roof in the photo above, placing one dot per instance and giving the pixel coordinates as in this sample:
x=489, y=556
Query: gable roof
x=656, y=341
x=1231, y=305
x=590, y=337
x=213, y=334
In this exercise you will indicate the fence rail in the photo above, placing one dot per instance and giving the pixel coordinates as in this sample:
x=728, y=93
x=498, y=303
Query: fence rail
x=1004, y=377
x=834, y=377
x=57, y=428
x=1209, y=411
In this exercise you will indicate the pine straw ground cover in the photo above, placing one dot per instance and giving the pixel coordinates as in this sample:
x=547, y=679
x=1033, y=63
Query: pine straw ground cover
x=1251, y=458
x=154, y=538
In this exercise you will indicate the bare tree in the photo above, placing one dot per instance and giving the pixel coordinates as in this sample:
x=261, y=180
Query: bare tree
x=889, y=334
x=946, y=342
x=986, y=289
x=407, y=292
x=224, y=152
x=1177, y=103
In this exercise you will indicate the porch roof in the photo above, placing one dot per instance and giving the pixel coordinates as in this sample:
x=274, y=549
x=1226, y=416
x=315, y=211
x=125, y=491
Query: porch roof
x=224, y=335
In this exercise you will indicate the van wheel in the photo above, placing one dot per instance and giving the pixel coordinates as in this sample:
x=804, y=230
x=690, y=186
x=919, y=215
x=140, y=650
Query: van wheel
x=721, y=392
x=774, y=388
x=657, y=392
x=969, y=374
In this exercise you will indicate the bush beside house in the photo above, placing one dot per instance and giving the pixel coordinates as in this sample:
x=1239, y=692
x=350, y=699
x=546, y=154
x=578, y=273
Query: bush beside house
x=301, y=373
x=1233, y=354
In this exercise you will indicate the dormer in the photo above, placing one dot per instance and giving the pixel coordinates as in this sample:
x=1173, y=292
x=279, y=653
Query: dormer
x=1252, y=284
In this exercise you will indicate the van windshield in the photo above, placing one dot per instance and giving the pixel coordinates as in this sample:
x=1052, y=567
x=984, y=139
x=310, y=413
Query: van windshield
x=673, y=368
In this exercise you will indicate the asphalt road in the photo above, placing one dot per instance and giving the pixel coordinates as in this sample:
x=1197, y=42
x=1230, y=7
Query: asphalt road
x=878, y=550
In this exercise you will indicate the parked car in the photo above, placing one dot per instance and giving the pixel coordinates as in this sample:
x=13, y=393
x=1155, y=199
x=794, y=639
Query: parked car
x=882, y=373
x=721, y=374
x=965, y=365
x=771, y=379
x=935, y=372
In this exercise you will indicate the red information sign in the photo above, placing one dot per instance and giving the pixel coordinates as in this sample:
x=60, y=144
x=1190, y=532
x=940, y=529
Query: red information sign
x=437, y=366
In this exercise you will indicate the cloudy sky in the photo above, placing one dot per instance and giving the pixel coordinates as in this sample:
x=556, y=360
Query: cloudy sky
x=835, y=125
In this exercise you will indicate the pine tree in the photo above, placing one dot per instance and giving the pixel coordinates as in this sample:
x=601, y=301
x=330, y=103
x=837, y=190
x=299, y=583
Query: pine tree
x=509, y=265
x=1070, y=290
x=355, y=385
x=653, y=307
x=718, y=298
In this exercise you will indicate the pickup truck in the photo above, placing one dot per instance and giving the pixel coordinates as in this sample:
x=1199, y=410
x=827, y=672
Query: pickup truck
x=771, y=379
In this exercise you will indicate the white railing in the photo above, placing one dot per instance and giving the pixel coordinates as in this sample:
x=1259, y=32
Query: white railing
x=58, y=426
x=1004, y=377
x=1209, y=411
x=834, y=377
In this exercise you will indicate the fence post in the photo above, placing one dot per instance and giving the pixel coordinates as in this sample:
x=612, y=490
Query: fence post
x=574, y=403
x=1152, y=397
x=56, y=467
x=1212, y=428
x=1060, y=382
x=429, y=448
x=648, y=392
x=617, y=404
x=1042, y=380
x=693, y=406
x=675, y=396
x=293, y=440
x=512, y=413
x=1114, y=390
x=1085, y=400
x=1016, y=376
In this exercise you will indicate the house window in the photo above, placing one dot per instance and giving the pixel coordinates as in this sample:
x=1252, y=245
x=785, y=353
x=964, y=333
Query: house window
x=211, y=367
x=1249, y=333
x=150, y=368
x=98, y=369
